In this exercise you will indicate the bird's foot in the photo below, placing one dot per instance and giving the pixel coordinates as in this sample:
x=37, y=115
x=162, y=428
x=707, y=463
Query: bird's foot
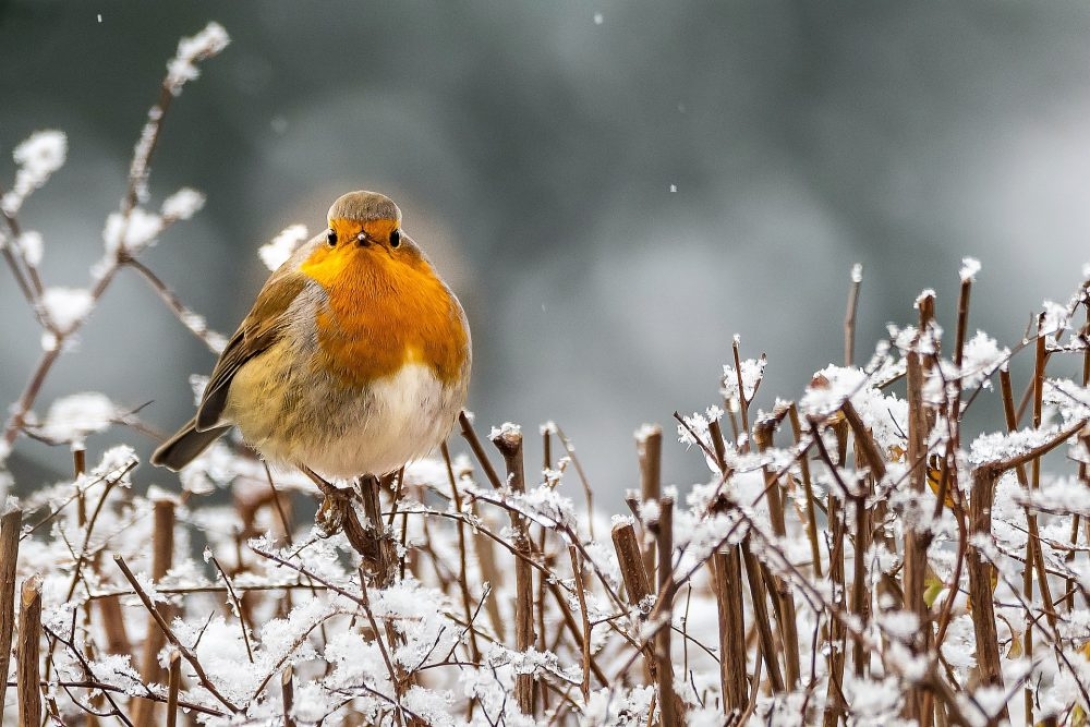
x=336, y=504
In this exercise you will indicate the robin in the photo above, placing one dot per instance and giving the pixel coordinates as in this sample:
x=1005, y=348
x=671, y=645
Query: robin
x=354, y=360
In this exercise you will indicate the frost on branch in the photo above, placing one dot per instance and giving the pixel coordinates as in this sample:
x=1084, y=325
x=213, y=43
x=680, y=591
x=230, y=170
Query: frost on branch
x=183, y=204
x=276, y=252
x=38, y=157
x=65, y=308
x=131, y=233
x=182, y=68
x=72, y=418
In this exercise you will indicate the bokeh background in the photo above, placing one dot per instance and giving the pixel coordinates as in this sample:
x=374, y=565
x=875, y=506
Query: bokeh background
x=614, y=187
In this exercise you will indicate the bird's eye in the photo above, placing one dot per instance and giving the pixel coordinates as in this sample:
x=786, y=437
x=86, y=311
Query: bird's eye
x=331, y=236
x=395, y=238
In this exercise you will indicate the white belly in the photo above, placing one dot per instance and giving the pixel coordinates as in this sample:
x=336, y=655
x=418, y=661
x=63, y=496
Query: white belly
x=376, y=430
x=403, y=418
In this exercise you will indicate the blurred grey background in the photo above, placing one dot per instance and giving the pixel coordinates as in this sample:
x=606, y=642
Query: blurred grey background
x=614, y=188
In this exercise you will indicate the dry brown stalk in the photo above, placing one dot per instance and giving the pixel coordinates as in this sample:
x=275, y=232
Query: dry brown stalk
x=174, y=683
x=1034, y=554
x=980, y=577
x=663, y=529
x=490, y=572
x=143, y=712
x=636, y=583
x=849, y=315
x=727, y=568
x=474, y=441
x=758, y=597
x=11, y=524
x=649, y=451
x=509, y=443
x=867, y=451
x=916, y=543
x=807, y=483
x=113, y=624
x=28, y=652
x=463, y=578
x=783, y=602
x=287, y=690
x=837, y=632
x=577, y=570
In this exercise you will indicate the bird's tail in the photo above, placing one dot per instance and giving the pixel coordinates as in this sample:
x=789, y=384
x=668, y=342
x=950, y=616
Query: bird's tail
x=185, y=445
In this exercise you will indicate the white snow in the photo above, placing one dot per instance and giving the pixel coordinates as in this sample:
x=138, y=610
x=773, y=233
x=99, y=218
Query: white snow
x=183, y=204
x=752, y=371
x=72, y=418
x=38, y=157
x=131, y=234
x=970, y=266
x=280, y=248
x=65, y=308
x=205, y=44
x=31, y=245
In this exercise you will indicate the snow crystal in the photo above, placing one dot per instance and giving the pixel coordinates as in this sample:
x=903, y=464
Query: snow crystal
x=829, y=388
x=981, y=358
x=752, y=371
x=901, y=625
x=504, y=430
x=970, y=266
x=598, y=20
x=647, y=431
x=276, y=252
x=433, y=706
x=871, y=699
x=997, y=446
x=924, y=295
x=30, y=245
x=857, y=273
x=133, y=233
x=114, y=460
x=1055, y=319
x=182, y=67
x=38, y=157
x=72, y=418
x=183, y=204
x=64, y=308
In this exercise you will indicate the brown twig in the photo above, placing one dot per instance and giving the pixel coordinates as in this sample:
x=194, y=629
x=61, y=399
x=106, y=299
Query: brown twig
x=478, y=451
x=174, y=683
x=188, y=655
x=509, y=443
x=727, y=569
x=577, y=570
x=662, y=527
x=849, y=316
x=649, y=451
x=287, y=690
x=28, y=652
x=463, y=566
x=162, y=556
x=11, y=524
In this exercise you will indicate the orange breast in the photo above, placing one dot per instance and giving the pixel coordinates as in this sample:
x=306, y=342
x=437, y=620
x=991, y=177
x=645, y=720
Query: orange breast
x=382, y=313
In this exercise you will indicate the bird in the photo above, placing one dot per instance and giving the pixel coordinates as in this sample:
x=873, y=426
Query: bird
x=354, y=360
